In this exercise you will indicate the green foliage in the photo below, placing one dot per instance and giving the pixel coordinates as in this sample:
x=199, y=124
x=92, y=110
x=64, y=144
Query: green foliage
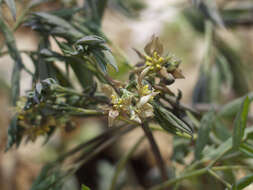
x=84, y=187
x=240, y=123
x=243, y=182
x=144, y=100
x=203, y=133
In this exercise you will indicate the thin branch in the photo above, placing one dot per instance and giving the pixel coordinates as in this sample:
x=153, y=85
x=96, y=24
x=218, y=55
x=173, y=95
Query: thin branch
x=216, y=176
x=155, y=150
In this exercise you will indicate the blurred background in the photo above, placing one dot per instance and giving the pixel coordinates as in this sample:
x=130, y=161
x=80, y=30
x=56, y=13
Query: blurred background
x=128, y=24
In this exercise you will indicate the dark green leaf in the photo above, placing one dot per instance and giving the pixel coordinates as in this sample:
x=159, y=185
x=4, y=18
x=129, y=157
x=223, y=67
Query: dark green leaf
x=169, y=121
x=240, y=123
x=84, y=75
x=14, y=133
x=203, y=133
x=54, y=20
x=12, y=7
x=90, y=40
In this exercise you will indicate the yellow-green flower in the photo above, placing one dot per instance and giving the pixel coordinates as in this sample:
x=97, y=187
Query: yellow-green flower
x=155, y=62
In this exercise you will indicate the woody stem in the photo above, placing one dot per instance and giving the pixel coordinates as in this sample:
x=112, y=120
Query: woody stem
x=155, y=150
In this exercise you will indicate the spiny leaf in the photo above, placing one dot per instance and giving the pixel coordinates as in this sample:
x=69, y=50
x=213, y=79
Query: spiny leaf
x=240, y=123
x=203, y=134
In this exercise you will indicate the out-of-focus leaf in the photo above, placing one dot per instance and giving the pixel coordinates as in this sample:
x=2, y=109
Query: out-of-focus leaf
x=34, y=3
x=97, y=8
x=12, y=7
x=49, y=24
x=203, y=133
x=83, y=74
x=180, y=149
x=243, y=182
x=220, y=130
x=224, y=147
x=14, y=134
x=169, y=121
x=54, y=20
x=15, y=55
x=200, y=93
x=240, y=84
x=215, y=82
x=226, y=73
x=209, y=10
x=50, y=177
x=240, y=123
x=230, y=109
x=246, y=149
x=84, y=187
x=130, y=8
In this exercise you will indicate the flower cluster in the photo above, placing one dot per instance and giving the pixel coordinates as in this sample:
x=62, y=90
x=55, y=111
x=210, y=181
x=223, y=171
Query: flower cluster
x=156, y=64
x=131, y=106
x=38, y=120
x=133, y=103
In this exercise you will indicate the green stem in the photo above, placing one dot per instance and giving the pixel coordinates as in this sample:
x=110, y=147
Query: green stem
x=170, y=182
x=216, y=176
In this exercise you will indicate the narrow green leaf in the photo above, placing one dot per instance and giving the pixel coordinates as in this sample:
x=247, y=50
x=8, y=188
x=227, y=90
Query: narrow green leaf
x=52, y=19
x=224, y=147
x=215, y=81
x=243, y=182
x=226, y=73
x=231, y=108
x=84, y=75
x=220, y=130
x=203, y=133
x=240, y=123
x=169, y=121
x=15, y=55
x=111, y=60
x=246, y=149
x=12, y=7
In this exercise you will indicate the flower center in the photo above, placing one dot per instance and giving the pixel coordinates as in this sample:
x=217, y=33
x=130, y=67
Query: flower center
x=155, y=62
